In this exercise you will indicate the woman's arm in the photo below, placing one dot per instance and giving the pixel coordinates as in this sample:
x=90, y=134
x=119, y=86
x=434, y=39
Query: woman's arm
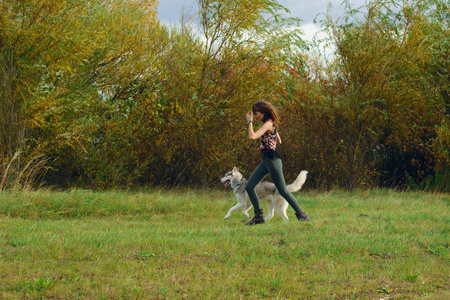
x=268, y=126
x=278, y=138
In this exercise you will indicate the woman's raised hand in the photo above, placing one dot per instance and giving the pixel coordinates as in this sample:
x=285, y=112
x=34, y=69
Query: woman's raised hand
x=249, y=117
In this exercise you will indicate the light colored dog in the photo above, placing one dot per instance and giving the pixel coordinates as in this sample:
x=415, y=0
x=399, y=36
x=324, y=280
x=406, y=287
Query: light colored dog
x=266, y=191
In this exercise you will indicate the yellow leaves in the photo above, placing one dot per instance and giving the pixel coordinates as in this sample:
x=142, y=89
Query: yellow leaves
x=150, y=8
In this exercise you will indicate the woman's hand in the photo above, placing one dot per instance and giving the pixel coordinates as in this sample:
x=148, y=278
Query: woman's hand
x=249, y=117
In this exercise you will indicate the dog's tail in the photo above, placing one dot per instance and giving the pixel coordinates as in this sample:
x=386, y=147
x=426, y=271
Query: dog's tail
x=298, y=183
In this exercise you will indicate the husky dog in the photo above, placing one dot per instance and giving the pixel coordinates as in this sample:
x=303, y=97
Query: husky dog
x=266, y=191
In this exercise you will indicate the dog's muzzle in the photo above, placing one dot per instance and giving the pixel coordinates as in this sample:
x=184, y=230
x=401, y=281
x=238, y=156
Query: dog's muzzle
x=225, y=181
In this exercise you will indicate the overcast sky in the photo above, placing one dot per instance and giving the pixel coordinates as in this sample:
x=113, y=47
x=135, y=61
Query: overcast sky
x=170, y=11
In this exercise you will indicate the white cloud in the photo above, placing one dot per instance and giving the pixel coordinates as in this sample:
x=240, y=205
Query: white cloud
x=313, y=33
x=310, y=30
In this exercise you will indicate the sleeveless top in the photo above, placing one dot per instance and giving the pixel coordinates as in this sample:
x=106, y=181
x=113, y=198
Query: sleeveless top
x=269, y=140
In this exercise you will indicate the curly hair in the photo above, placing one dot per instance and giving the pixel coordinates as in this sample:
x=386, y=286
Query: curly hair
x=268, y=110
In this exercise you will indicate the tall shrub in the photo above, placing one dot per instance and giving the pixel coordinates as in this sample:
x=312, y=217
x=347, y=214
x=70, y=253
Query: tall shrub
x=239, y=53
x=384, y=96
x=62, y=60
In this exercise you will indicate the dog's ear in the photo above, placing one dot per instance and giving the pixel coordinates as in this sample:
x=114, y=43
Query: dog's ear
x=235, y=169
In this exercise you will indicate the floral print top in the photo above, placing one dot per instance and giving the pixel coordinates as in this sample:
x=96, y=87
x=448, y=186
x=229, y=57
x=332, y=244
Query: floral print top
x=269, y=140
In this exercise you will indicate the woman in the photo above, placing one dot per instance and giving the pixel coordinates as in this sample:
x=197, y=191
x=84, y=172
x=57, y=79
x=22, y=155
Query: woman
x=271, y=164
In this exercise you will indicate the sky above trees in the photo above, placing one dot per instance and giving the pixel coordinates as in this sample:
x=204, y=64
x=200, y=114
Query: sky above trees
x=170, y=11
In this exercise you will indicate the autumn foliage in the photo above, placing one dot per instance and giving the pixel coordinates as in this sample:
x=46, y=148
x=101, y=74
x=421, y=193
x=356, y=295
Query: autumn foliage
x=99, y=94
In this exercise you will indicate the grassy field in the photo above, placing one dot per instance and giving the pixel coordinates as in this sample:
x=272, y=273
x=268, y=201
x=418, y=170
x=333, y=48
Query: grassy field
x=175, y=244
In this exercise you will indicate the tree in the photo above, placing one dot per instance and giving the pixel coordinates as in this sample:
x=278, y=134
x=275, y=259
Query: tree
x=389, y=104
x=239, y=53
x=36, y=40
x=61, y=60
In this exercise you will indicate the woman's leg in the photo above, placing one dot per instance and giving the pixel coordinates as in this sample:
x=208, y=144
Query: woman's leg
x=276, y=172
x=257, y=175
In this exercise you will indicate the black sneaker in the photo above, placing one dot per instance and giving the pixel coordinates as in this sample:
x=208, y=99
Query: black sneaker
x=257, y=219
x=301, y=216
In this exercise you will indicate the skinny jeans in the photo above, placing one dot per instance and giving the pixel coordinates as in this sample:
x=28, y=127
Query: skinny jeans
x=274, y=167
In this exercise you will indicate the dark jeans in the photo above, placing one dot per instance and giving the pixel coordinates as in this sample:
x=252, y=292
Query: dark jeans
x=274, y=167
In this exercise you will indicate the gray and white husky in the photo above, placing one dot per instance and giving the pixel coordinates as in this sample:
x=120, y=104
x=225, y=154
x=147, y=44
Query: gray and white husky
x=266, y=191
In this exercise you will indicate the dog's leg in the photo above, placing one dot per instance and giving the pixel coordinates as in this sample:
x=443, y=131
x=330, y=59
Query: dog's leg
x=233, y=209
x=246, y=209
x=281, y=207
x=269, y=210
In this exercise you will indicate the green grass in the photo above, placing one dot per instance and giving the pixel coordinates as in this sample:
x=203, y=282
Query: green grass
x=176, y=245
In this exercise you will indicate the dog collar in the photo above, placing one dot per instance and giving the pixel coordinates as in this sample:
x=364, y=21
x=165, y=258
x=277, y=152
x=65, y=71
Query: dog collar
x=236, y=187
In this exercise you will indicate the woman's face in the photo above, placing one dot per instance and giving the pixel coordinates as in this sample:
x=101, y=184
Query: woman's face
x=258, y=116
